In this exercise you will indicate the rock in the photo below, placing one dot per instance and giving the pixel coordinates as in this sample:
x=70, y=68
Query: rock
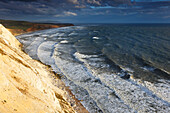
x=25, y=85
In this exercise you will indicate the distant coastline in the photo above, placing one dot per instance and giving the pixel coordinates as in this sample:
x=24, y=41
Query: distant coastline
x=21, y=27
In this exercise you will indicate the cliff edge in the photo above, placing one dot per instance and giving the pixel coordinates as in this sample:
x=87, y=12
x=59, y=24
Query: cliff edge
x=20, y=27
x=25, y=85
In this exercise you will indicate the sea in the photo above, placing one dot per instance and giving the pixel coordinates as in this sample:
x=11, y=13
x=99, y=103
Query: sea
x=110, y=68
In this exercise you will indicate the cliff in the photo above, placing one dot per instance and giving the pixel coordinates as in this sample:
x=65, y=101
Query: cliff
x=20, y=27
x=25, y=85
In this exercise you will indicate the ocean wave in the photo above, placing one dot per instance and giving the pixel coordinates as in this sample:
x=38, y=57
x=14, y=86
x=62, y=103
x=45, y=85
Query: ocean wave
x=64, y=42
x=96, y=38
x=102, y=76
x=45, y=52
x=79, y=55
x=147, y=68
x=73, y=34
x=82, y=77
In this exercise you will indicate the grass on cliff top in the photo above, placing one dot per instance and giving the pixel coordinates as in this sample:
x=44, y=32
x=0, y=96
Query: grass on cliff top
x=10, y=24
x=23, y=25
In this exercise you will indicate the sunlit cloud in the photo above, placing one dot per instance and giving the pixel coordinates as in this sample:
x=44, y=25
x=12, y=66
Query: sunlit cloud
x=66, y=13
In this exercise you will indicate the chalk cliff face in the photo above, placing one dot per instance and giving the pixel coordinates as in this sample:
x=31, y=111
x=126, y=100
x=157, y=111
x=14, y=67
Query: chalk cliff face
x=25, y=85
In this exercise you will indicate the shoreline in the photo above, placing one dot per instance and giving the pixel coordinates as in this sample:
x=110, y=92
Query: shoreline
x=70, y=97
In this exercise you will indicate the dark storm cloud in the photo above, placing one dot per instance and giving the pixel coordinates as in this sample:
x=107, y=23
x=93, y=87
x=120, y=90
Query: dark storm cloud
x=78, y=4
x=62, y=8
x=35, y=7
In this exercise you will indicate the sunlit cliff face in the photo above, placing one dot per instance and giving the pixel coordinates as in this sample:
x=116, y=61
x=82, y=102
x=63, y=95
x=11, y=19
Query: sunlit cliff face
x=87, y=10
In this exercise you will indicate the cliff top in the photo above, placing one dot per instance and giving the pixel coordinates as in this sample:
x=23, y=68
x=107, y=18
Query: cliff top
x=20, y=27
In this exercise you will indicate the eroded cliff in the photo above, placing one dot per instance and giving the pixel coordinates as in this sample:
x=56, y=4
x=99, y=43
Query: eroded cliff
x=25, y=85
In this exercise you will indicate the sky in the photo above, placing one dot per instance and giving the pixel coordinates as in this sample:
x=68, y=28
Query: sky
x=87, y=11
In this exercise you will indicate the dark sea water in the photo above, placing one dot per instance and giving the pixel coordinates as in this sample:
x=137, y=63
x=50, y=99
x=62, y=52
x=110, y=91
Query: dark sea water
x=112, y=68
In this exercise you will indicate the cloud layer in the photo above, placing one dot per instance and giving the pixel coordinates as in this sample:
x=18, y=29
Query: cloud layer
x=65, y=8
